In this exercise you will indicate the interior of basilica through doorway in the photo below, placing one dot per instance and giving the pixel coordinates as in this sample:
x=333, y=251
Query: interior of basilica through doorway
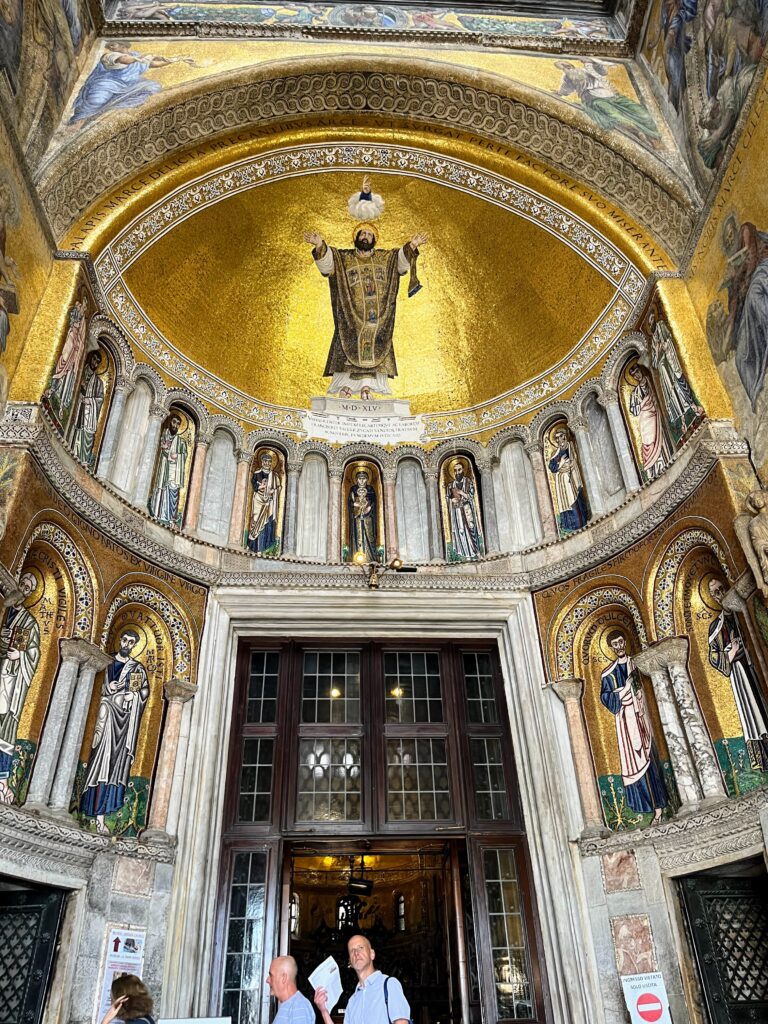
x=383, y=516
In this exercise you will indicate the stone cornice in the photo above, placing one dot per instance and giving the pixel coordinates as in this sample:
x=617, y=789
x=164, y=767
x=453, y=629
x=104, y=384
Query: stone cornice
x=728, y=828
x=79, y=176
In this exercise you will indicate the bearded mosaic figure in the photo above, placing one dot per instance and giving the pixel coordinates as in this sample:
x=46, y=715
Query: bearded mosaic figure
x=19, y=658
x=364, y=283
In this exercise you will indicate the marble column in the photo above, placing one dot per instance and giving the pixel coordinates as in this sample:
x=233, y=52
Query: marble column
x=291, y=508
x=74, y=652
x=535, y=452
x=589, y=468
x=436, y=547
x=148, y=456
x=66, y=769
x=237, y=522
x=122, y=389
x=571, y=693
x=196, y=477
x=390, y=515
x=653, y=662
x=177, y=692
x=610, y=402
x=334, y=515
x=702, y=748
x=177, y=784
x=490, y=518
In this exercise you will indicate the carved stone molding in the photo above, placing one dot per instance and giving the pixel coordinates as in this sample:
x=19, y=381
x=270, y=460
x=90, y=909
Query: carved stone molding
x=672, y=650
x=179, y=691
x=78, y=649
x=568, y=689
x=75, y=180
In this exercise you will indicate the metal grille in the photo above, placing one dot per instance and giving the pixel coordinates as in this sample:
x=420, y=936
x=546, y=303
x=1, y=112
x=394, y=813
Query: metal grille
x=741, y=936
x=16, y=961
x=29, y=920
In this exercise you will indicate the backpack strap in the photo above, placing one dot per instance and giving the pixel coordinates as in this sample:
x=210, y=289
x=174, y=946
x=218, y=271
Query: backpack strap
x=386, y=997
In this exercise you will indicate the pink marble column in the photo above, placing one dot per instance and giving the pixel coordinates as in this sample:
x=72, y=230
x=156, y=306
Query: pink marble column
x=237, y=522
x=544, y=498
x=196, y=483
x=570, y=692
x=390, y=515
x=177, y=693
x=334, y=516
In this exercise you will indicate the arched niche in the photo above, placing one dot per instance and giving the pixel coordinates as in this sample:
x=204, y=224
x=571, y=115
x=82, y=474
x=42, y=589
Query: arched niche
x=460, y=500
x=565, y=478
x=727, y=667
x=266, y=501
x=91, y=412
x=412, y=511
x=130, y=445
x=61, y=394
x=218, y=488
x=517, y=509
x=645, y=419
x=604, y=454
x=29, y=658
x=362, y=512
x=634, y=776
x=173, y=467
x=312, y=508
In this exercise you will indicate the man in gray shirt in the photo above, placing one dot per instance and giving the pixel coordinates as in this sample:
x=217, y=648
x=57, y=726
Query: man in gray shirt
x=367, y=1004
x=294, y=1008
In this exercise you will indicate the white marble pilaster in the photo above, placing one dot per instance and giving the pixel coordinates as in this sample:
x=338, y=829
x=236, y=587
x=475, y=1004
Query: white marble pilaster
x=122, y=389
x=291, y=508
x=177, y=786
x=148, y=456
x=436, y=547
x=588, y=467
x=610, y=402
x=543, y=495
x=390, y=514
x=489, y=509
x=66, y=769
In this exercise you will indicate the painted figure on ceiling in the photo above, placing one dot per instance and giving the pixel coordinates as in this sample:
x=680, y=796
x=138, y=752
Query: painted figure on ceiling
x=124, y=695
x=364, y=283
x=568, y=488
x=621, y=692
x=655, y=451
x=609, y=109
x=91, y=401
x=170, y=475
x=118, y=80
x=744, y=327
x=61, y=390
x=263, y=522
x=465, y=541
x=19, y=657
x=678, y=397
x=675, y=16
x=9, y=271
x=729, y=655
x=362, y=514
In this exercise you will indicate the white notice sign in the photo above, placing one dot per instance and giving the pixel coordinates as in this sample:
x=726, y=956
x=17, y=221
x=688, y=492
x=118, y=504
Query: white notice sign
x=327, y=976
x=124, y=955
x=646, y=998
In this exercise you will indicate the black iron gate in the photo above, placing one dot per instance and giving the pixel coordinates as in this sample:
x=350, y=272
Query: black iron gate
x=727, y=921
x=29, y=920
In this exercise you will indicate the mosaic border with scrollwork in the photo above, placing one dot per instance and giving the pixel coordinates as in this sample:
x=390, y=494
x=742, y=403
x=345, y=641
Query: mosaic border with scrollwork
x=207, y=190
x=82, y=584
x=664, y=584
x=141, y=593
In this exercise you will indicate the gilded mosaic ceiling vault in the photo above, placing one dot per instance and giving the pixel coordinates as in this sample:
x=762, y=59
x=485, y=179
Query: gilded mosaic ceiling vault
x=254, y=100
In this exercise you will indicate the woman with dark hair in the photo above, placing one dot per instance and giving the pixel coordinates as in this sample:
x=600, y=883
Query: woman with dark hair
x=131, y=1001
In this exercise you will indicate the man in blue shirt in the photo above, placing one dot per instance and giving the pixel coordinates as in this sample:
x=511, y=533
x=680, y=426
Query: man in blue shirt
x=367, y=1004
x=294, y=1007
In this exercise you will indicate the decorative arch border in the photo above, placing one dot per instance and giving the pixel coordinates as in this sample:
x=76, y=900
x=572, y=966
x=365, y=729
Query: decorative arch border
x=584, y=606
x=320, y=448
x=80, y=574
x=153, y=380
x=144, y=594
x=499, y=441
x=556, y=411
x=189, y=401
x=103, y=329
x=464, y=447
x=634, y=342
x=228, y=425
x=665, y=578
x=590, y=387
x=255, y=438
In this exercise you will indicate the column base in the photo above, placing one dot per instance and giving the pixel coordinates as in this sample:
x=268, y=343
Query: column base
x=158, y=836
x=595, y=832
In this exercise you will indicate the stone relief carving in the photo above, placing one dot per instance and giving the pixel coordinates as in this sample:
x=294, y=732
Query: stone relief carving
x=752, y=531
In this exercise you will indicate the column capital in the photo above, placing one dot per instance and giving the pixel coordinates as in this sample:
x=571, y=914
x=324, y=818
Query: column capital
x=294, y=467
x=578, y=424
x=179, y=691
x=672, y=650
x=124, y=384
x=608, y=398
x=158, y=412
x=389, y=475
x=244, y=456
x=335, y=473
x=568, y=689
x=534, y=447
x=734, y=600
x=430, y=475
x=203, y=440
x=76, y=648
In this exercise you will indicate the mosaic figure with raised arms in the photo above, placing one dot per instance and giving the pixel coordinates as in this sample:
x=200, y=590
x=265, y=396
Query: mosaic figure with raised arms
x=124, y=694
x=170, y=476
x=263, y=523
x=621, y=692
x=728, y=653
x=565, y=481
x=464, y=540
x=364, y=283
x=19, y=657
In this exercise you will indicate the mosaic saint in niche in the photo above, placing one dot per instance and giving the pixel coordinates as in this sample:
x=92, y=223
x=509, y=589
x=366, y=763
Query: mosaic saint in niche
x=61, y=390
x=364, y=283
x=646, y=421
x=464, y=536
x=680, y=404
x=92, y=394
x=565, y=481
x=166, y=503
x=264, y=520
x=19, y=657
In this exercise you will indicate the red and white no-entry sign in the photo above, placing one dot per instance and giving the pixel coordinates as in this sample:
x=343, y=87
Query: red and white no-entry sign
x=646, y=998
x=649, y=1007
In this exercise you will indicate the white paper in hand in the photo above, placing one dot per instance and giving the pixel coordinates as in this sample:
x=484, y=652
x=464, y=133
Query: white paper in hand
x=327, y=976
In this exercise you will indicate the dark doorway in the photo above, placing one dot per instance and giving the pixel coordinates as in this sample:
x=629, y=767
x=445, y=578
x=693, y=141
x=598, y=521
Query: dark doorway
x=32, y=915
x=726, y=912
x=402, y=900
